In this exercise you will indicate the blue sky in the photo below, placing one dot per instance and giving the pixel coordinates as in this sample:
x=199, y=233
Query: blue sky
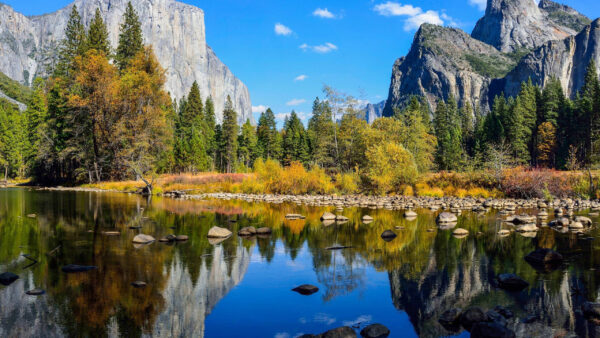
x=286, y=50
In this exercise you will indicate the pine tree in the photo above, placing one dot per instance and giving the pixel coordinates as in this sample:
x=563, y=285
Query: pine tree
x=209, y=117
x=588, y=116
x=320, y=134
x=130, y=38
x=268, y=137
x=191, y=133
x=516, y=131
x=97, y=36
x=73, y=45
x=295, y=145
x=230, y=136
x=36, y=116
x=248, y=145
x=446, y=123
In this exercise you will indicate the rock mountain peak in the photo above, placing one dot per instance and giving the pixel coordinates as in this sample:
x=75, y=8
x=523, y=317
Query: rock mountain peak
x=28, y=47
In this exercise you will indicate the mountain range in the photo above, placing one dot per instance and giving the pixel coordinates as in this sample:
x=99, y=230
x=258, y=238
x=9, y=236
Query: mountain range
x=514, y=41
x=176, y=31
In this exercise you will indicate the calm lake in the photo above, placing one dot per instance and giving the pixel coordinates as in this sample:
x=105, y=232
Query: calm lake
x=242, y=287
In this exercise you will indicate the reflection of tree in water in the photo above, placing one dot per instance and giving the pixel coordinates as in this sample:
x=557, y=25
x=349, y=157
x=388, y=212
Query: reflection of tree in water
x=102, y=302
x=341, y=277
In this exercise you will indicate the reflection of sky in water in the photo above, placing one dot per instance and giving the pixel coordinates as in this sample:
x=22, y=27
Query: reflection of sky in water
x=274, y=311
x=244, y=286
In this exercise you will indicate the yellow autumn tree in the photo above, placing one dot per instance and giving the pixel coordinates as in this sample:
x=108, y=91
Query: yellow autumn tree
x=390, y=166
x=546, y=143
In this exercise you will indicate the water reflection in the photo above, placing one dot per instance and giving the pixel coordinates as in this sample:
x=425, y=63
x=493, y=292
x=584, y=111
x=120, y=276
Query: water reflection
x=428, y=271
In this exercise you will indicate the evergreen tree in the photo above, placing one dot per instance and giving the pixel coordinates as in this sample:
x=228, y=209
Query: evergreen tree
x=210, y=124
x=446, y=123
x=230, y=136
x=248, y=145
x=320, y=134
x=130, y=38
x=36, y=116
x=97, y=36
x=587, y=118
x=295, y=142
x=268, y=137
x=517, y=132
x=73, y=44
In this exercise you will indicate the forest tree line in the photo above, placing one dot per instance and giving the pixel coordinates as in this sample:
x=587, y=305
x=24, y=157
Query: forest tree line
x=104, y=115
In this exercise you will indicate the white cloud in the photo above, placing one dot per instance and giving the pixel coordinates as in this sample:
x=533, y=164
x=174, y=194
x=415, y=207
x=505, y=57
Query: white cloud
x=295, y=102
x=324, y=13
x=321, y=49
x=360, y=320
x=281, y=29
x=396, y=9
x=259, y=109
x=415, y=16
x=481, y=4
x=301, y=78
x=301, y=115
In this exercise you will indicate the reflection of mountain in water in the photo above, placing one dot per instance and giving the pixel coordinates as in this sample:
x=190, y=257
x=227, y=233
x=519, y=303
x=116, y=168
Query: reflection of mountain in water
x=26, y=316
x=187, y=304
x=440, y=289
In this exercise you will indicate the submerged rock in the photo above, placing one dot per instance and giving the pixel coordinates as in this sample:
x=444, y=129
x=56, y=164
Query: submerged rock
x=460, y=232
x=73, y=268
x=375, y=331
x=591, y=310
x=446, y=217
x=167, y=239
x=472, y=316
x=143, y=239
x=264, y=231
x=450, y=317
x=388, y=235
x=410, y=214
x=7, y=278
x=138, y=284
x=340, y=332
x=247, y=231
x=544, y=256
x=306, y=289
x=512, y=282
x=217, y=232
x=491, y=330
x=35, y=292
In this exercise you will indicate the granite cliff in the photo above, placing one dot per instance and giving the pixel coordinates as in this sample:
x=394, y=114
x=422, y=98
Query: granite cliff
x=29, y=45
x=515, y=40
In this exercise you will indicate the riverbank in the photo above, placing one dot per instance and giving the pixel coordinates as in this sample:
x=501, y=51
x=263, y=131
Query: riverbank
x=517, y=183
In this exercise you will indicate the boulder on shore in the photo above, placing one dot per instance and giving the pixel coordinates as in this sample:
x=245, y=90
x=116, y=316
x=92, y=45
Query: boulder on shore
x=217, y=232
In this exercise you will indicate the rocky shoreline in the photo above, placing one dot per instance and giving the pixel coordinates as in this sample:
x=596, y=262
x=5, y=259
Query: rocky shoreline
x=560, y=206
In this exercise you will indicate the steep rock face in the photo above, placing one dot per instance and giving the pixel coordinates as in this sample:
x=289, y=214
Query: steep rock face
x=28, y=46
x=444, y=62
x=564, y=15
x=510, y=25
x=374, y=111
x=566, y=60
